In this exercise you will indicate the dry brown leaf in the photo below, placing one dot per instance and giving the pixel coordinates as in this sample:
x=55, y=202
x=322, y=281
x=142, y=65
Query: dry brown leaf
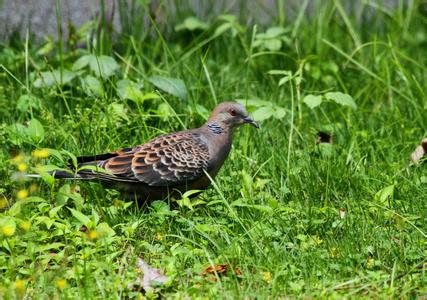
x=420, y=151
x=220, y=270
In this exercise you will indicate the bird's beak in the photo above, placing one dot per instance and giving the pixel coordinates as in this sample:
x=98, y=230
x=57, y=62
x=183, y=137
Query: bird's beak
x=251, y=122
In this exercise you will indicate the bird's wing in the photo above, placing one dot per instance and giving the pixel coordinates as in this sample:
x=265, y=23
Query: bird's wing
x=167, y=160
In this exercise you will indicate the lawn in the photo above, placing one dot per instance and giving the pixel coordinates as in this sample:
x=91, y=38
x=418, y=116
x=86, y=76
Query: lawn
x=321, y=201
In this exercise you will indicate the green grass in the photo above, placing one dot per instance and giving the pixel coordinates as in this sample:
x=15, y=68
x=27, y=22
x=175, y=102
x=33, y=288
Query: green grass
x=296, y=218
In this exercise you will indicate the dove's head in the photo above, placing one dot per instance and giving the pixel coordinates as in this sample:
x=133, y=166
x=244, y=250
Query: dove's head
x=230, y=115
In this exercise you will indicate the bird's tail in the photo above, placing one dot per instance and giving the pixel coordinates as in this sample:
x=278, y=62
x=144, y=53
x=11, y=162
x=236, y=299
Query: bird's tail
x=59, y=174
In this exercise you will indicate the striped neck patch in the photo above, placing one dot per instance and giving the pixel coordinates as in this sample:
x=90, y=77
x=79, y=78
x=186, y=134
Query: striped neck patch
x=215, y=128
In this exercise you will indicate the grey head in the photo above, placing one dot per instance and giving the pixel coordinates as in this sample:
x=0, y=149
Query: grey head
x=229, y=115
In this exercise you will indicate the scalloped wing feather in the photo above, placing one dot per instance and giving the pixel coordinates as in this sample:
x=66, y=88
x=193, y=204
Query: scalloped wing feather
x=167, y=160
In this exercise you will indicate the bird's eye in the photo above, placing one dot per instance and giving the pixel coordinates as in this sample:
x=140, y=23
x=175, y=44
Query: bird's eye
x=233, y=112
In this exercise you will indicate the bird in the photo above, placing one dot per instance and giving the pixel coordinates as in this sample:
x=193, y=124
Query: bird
x=168, y=165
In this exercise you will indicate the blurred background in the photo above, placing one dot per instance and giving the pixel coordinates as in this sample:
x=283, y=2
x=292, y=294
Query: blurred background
x=41, y=16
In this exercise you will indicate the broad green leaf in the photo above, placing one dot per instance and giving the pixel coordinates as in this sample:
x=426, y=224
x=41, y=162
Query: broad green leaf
x=263, y=113
x=72, y=157
x=312, y=101
x=385, y=194
x=190, y=193
x=285, y=79
x=273, y=44
x=274, y=32
x=16, y=133
x=95, y=216
x=81, y=217
x=127, y=89
x=103, y=66
x=15, y=209
x=53, y=213
x=122, y=85
x=92, y=86
x=35, y=130
x=45, y=172
x=185, y=202
x=191, y=24
x=160, y=206
x=341, y=98
x=286, y=40
x=104, y=230
x=55, y=153
x=279, y=112
x=63, y=194
x=25, y=102
x=172, y=86
x=51, y=78
x=82, y=62
x=222, y=28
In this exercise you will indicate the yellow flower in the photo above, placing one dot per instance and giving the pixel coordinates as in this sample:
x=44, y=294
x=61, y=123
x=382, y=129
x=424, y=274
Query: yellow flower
x=40, y=153
x=8, y=229
x=61, y=284
x=17, y=159
x=22, y=167
x=25, y=225
x=22, y=194
x=3, y=202
x=19, y=285
x=266, y=276
x=92, y=234
x=159, y=237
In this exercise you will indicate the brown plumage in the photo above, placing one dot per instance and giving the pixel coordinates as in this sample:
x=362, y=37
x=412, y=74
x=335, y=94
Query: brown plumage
x=169, y=164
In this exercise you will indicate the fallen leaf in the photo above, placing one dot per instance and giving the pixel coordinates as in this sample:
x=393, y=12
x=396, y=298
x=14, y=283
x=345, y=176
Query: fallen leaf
x=151, y=278
x=420, y=151
x=219, y=269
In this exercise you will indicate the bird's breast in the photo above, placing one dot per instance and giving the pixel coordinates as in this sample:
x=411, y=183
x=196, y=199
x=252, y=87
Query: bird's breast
x=219, y=148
